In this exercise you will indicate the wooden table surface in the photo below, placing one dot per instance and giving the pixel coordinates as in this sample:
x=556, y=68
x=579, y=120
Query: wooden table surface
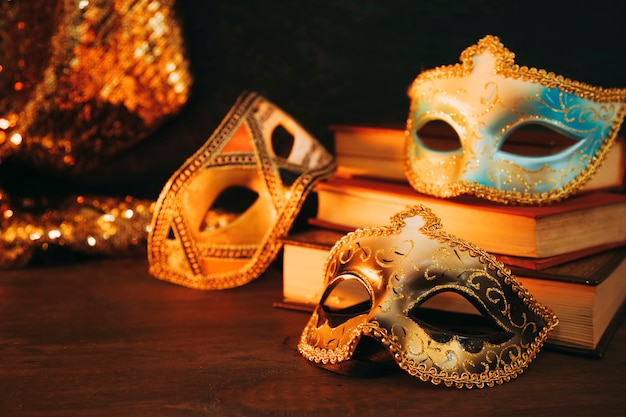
x=104, y=338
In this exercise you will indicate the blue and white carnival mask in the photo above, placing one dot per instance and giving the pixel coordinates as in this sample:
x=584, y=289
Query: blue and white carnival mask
x=485, y=98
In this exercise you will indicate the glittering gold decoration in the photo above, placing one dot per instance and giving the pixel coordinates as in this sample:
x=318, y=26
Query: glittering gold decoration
x=259, y=155
x=90, y=225
x=487, y=96
x=81, y=80
x=377, y=278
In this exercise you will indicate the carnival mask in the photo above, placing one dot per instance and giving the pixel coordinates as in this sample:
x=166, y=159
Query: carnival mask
x=487, y=97
x=376, y=281
x=220, y=217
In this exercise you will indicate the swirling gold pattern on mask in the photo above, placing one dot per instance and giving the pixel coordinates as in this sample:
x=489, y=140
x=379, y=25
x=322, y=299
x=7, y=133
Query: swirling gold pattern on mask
x=414, y=260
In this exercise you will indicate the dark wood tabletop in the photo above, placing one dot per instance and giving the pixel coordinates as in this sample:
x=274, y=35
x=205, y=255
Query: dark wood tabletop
x=104, y=338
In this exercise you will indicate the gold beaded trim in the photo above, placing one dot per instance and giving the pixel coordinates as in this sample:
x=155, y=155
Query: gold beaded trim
x=432, y=228
x=506, y=66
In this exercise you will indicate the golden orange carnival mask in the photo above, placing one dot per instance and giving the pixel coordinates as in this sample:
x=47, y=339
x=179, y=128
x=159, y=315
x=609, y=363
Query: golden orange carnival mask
x=218, y=220
x=487, y=97
x=376, y=280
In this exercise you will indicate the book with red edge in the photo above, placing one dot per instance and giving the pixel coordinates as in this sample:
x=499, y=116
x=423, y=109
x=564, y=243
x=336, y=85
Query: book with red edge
x=582, y=224
x=536, y=264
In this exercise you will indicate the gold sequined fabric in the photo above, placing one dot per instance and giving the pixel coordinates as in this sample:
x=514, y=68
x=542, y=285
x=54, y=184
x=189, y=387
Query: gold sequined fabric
x=81, y=80
x=80, y=225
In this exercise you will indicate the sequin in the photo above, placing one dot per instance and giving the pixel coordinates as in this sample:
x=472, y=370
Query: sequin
x=83, y=80
x=89, y=225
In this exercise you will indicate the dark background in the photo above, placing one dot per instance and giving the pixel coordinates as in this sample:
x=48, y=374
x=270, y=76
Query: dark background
x=342, y=61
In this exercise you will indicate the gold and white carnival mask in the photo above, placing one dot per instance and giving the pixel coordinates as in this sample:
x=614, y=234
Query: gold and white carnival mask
x=487, y=97
x=376, y=281
x=220, y=217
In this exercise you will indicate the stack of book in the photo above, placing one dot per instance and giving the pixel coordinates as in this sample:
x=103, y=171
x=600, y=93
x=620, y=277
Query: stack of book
x=570, y=255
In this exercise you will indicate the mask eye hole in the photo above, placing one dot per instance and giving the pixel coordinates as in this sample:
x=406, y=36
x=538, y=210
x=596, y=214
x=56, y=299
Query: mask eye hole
x=227, y=207
x=282, y=141
x=534, y=139
x=468, y=323
x=438, y=135
x=347, y=297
